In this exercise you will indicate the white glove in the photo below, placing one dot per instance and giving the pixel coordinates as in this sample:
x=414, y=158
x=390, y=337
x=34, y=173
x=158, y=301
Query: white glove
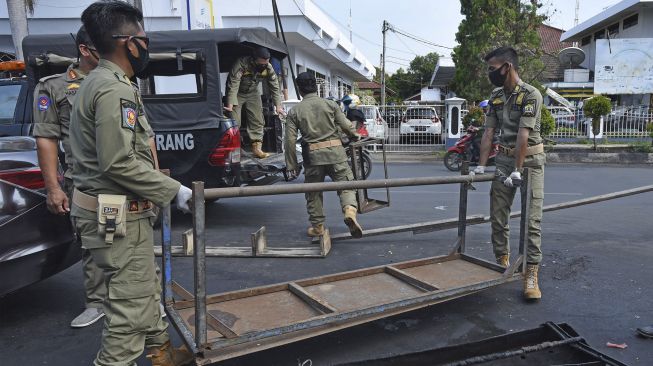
x=478, y=170
x=183, y=196
x=514, y=180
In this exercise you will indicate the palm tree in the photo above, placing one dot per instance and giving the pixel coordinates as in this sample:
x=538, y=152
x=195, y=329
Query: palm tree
x=17, y=10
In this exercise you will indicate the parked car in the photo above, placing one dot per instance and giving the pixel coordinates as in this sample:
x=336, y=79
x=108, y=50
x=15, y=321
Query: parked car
x=376, y=126
x=563, y=116
x=420, y=122
x=37, y=244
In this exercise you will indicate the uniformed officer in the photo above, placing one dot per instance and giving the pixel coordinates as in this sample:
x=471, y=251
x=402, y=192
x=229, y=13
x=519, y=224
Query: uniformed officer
x=515, y=112
x=320, y=121
x=53, y=97
x=116, y=186
x=243, y=95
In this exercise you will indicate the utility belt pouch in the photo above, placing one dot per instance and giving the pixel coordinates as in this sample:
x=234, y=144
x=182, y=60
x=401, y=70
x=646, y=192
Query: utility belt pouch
x=112, y=216
x=306, y=152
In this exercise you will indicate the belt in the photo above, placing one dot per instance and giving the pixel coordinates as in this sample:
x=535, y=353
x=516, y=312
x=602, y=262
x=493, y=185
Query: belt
x=324, y=144
x=531, y=150
x=88, y=202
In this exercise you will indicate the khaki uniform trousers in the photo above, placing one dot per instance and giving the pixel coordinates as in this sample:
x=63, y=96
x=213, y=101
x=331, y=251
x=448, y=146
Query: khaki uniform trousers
x=94, y=287
x=133, y=319
x=501, y=198
x=252, y=107
x=314, y=200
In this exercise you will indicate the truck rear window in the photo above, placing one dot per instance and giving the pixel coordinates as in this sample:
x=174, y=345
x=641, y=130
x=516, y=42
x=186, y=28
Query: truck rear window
x=8, y=98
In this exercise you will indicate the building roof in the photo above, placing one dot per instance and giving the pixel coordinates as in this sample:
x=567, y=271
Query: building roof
x=442, y=75
x=374, y=86
x=604, y=18
x=551, y=46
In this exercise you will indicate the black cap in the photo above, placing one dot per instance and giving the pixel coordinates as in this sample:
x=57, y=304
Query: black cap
x=261, y=52
x=305, y=76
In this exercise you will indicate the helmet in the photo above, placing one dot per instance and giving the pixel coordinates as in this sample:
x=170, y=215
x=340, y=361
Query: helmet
x=484, y=104
x=351, y=100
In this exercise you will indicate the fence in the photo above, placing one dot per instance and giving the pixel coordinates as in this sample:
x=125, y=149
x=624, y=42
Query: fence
x=624, y=122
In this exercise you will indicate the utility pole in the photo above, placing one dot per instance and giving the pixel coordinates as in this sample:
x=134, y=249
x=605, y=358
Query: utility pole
x=350, y=31
x=386, y=26
x=575, y=44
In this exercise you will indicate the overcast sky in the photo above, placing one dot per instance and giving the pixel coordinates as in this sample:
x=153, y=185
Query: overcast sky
x=435, y=21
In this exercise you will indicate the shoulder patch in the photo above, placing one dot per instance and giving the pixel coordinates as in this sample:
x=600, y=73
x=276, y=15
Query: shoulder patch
x=49, y=77
x=129, y=113
x=496, y=101
x=529, y=108
x=44, y=103
x=520, y=98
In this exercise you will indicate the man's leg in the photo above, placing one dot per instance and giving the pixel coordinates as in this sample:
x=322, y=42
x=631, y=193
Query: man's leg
x=501, y=198
x=534, y=251
x=342, y=172
x=253, y=109
x=314, y=200
x=236, y=113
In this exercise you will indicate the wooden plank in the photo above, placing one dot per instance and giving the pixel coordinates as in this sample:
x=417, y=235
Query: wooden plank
x=220, y=326
x=313, y=301
x=410, y=279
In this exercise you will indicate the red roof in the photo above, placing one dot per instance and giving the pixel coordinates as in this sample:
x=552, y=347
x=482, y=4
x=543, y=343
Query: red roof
x=551, y=46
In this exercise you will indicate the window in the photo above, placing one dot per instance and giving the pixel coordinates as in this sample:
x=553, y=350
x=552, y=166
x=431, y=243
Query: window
x=585, y=41
x=167, y=80
x=599, y=34
x=299, y=69
x=8, y=98
x=631, y=21
x=613, y=30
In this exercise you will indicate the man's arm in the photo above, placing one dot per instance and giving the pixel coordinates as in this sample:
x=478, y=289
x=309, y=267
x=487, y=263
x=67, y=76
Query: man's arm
x=290, y=143
x=275, y=90
x=520, y=147
x=154, y=154
x=233, y=84
x=48, y=155
x=345, y=125
x=116, y=158
x=486, y=146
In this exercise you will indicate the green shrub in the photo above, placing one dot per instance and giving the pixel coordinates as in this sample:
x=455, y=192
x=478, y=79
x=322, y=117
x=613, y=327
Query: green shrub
x=548, y=123
x=595, y=108
x=474, y=117
x=641, y=146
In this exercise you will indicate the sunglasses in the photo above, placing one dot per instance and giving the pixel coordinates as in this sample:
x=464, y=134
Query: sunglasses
x=145, y=39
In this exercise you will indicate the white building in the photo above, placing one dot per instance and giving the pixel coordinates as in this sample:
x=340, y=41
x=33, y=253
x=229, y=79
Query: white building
x=628, y=20
x=315, y=42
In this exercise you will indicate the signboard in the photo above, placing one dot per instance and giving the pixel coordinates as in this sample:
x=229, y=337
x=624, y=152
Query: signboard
x=197, y=14
x=624, y=66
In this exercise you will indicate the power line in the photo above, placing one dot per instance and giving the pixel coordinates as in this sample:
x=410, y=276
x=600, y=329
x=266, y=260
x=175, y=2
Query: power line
x=417, y=38
x=399, y=58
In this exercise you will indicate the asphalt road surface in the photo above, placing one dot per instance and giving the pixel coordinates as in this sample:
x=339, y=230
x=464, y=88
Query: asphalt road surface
x=596, y=273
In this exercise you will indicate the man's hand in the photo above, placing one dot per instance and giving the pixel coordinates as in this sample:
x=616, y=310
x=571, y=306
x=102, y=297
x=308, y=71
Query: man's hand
x=293, y=174
x=183, y=197
x=478, y=170
x=514, y=180
x=281, y=111
x=228, y=107
x=57, y=201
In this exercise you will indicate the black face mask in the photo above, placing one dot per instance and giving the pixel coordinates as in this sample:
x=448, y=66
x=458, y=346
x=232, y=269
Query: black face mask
x=496, y=77
x=260, y=68
x=139, y=63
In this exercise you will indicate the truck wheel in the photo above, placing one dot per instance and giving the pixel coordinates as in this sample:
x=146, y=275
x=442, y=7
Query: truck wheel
x=453, y=160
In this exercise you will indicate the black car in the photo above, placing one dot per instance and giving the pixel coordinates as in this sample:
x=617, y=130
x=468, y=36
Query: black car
x=35, y=244
x=181, y=90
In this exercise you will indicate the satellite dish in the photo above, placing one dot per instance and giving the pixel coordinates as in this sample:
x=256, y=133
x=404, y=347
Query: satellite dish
x=572, y=56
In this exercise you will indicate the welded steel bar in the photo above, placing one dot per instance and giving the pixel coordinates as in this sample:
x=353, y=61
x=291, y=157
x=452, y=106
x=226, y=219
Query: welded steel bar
x=462, y=209
x=166, y=258
x=526, y=193
x=199, y=263
x=215, y=193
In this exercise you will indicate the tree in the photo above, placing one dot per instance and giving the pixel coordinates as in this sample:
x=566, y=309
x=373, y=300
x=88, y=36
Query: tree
x=409, y=82
x=17, y=10
x=490, y=24
x=595, y=108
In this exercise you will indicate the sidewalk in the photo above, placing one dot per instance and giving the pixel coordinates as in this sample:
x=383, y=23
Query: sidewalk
x=564, y=153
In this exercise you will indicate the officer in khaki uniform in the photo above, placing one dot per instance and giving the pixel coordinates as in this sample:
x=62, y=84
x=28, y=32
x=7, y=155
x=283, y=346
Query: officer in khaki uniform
x=515, y=112
x=116, y=186
x=243, y=95
x=53, y=97
x=320, y=122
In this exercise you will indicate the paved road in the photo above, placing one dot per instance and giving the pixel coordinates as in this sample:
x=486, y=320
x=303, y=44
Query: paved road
x=596, y=273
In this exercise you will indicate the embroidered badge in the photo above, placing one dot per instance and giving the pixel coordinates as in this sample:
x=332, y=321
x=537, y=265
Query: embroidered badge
x=72, y=75
x=72, y=89
x=529, y=109
x=133, y=206
x=44, y=103
x=129, y=113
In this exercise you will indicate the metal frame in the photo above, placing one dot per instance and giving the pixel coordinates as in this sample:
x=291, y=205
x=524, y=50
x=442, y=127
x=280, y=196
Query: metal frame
x=365, y=203
x=231, y=343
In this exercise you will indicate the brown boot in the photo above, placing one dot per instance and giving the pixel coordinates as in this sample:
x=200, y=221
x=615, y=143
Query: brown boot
x=315, y=230
x=257, y=151
x=166, y=355
x=350, y=220
x=531, y=288
x=503, y=261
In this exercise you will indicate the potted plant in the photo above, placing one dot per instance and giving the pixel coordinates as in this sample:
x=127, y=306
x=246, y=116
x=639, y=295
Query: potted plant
x=595, y=108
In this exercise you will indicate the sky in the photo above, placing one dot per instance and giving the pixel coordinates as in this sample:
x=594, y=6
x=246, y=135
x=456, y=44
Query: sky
x=433, y=20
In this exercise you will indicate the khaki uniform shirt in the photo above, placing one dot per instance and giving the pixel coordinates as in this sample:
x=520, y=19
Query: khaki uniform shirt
x=509, y=112
x=318, y=120
x=53, y=97
x=109, y=140
x=244, y=79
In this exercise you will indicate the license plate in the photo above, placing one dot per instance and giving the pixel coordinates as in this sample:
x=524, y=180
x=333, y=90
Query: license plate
x=420, y=128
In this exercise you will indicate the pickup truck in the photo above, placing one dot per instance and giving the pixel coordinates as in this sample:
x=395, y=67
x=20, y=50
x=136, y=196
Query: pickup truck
x=182, y=93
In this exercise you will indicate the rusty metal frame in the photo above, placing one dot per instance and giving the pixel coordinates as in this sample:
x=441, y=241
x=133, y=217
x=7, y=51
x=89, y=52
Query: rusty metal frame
x=365, y=203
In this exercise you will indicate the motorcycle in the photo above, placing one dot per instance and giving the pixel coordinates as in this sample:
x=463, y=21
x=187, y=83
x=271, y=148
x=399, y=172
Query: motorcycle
x=467, y=149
